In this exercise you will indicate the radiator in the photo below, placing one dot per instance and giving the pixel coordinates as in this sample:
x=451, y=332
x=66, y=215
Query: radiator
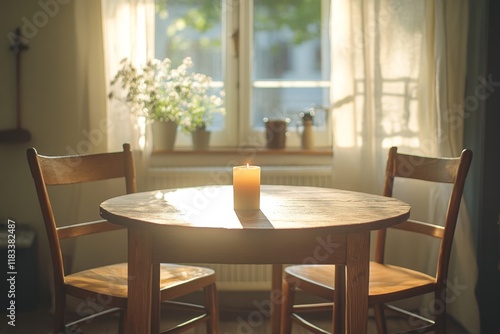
x=239, y=277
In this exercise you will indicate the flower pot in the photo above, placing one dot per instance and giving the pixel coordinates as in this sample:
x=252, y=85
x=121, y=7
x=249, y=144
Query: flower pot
x=275, y=133
x=164, y=134
x=201, y=139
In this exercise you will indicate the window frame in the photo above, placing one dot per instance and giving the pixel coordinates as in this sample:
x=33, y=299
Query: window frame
x=237, y=62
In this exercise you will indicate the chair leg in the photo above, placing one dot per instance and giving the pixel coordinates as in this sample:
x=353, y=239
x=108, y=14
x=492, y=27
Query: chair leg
x=380, y=318
x=211, y=303
x=339, y=300
x=275, y=297
x=287, y=307
x=123, y=321
x=440, y=317
x=60, y=308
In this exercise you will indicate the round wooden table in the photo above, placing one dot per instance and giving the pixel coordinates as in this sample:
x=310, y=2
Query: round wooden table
x=294, y=225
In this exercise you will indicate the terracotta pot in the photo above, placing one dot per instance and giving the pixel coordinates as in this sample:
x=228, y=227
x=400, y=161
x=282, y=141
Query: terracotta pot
x=201, y=139
x=164, y=135
x=275, y=133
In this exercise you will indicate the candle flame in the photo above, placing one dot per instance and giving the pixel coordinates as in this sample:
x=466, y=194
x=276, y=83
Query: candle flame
x=247, y=165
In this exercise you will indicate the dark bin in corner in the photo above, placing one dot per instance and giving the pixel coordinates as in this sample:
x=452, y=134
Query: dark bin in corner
x=24, y=273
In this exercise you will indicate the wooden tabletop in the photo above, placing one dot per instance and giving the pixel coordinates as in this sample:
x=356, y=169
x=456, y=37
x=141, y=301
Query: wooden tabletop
x=294, y=225
x=281, y=208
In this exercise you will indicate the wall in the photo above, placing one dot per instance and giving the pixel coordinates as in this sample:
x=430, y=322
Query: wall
x=56, y=87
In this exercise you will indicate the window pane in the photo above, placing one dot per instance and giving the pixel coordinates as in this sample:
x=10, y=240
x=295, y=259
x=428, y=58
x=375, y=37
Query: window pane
x=281, y=103
x=290, y=70
x=190, y=28
x=288, y=40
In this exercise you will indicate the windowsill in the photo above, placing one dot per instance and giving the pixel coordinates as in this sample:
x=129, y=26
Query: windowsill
x=236, y=156
x=243, y=150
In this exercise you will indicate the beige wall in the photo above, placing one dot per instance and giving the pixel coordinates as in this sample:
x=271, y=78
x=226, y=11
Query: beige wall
x=62, y=78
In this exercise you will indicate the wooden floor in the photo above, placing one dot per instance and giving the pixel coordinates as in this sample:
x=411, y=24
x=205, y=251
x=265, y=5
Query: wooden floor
x=233, y=320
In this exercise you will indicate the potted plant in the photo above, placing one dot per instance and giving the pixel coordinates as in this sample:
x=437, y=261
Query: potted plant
x=199, y=110
x=168, y=97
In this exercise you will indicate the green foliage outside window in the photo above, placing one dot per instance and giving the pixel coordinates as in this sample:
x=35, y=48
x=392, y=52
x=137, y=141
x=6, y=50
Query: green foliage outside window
x=301, y=17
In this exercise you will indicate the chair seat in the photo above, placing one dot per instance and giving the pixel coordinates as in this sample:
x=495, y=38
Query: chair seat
x=385, y=280
x=112, y=280
x=394, y=283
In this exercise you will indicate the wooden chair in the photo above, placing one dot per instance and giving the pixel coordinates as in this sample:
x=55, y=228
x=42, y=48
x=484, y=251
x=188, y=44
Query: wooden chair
x=109, y=283
x=388, y=283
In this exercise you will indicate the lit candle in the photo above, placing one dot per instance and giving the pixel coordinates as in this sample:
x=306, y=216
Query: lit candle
x=246, y=187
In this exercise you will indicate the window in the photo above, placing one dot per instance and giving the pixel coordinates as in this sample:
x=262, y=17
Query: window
x=271, y=57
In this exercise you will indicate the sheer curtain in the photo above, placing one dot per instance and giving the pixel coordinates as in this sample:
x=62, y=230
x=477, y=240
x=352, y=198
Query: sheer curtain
x=398, y=77
x=105, y=32
x=128, y=29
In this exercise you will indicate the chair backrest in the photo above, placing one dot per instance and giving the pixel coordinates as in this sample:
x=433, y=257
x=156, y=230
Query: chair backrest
x=63, y=170
x=439, y=170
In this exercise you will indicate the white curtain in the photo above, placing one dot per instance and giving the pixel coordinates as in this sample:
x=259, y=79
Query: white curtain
x=398, y=77
x=125, y=25
x=103, y=130
x=128, y=29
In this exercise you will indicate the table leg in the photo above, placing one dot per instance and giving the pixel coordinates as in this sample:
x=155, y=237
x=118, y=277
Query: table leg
x=276, y=297
x=139, y=284
x=155, y=299
x=358, y=266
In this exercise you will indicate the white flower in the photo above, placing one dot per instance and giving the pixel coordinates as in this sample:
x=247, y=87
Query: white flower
x=159, y=92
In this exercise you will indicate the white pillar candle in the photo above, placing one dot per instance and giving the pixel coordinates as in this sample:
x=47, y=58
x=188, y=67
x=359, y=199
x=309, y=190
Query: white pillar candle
x=246, y=187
